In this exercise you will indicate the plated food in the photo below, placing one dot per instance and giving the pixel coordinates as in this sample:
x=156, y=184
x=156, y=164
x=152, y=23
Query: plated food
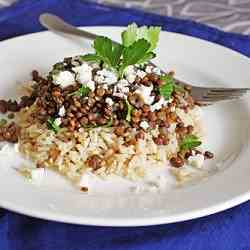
x=107, y=113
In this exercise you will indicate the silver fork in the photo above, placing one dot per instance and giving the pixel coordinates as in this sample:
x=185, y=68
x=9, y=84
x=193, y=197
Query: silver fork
x=201, y=95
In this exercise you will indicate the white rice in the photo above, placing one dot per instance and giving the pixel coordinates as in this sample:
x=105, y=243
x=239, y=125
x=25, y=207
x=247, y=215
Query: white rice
x=67, y=152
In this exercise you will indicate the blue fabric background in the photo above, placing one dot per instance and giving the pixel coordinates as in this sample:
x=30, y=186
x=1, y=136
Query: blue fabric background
x=226, y=230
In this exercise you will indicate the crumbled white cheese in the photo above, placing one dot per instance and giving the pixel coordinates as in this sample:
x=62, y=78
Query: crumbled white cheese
x=37, y=175
x=95, y=65
x=105, y=86
x=158, y=105
x=83, y=73
x=149, y=69
x=129, y=70
x=75, y=63
x=130, y=73
x=58, y=121
x=105, y=76
x=196, y=161
x=117, y=94
x=99, y=78
x=172, y=128
x=62, y=111
x=123, y=83
x=141, y=73
x=109, y=101
x=121, y=88
x=64, y=79
x=131, y=78
x=91, y=85
x=144, y=125
x=186, y=118
x=145, y=93
x=157, y=71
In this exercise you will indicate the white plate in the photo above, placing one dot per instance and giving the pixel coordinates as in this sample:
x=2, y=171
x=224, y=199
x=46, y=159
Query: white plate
x=227, y=127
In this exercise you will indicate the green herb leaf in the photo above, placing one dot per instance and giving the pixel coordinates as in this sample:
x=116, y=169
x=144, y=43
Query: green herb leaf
x=190, y=142
x=103, y=48
x=3, y=122
x=52, y=125
x=166, y=91
x=106, y=51
x=82, y=91
x=147, y=57
x=109, y=124
x=178, y=88
x=109, y=52
x=129, y=35
x=134, y=33
x=134, y=53
x=130, y=109
x=91, y=58
x=170, y=85
x=116, y=55
x=153, y=36
x=58, y=66
x=168, y=79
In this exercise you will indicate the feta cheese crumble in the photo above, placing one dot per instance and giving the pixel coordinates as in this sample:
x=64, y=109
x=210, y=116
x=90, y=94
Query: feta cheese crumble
x=144, y=125
x=83, y=73
x=121, y=88
x=62, y=111
x=149, y=69
x=91, y=85
x=145, y=93
x=141, y=73
x=131, y=78
x=130, y=74
x=158, y=105
x=109, y=101
x=105, y=76
x=64, y=79
x=157, y=71
x=129, y=70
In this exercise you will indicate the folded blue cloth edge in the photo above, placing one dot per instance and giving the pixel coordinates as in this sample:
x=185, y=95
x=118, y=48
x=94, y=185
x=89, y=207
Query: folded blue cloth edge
x=152, y=16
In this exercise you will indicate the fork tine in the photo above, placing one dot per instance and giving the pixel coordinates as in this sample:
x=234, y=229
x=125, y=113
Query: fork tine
x=231, y=90
x=217, y=99
x=222, y=94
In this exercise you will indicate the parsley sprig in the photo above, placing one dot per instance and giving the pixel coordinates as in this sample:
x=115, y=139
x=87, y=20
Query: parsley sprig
x=130, y=109
x=82, y=91
x=106, y=51
x=170, y=85
x=190, y=142
x=136, y=48
x=134, y=33
x=52, y=125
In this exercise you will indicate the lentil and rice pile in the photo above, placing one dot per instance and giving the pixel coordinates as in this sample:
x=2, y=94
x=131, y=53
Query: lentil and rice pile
x=84, y=116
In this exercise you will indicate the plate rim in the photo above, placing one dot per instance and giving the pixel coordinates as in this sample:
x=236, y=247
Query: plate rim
x=123, y=222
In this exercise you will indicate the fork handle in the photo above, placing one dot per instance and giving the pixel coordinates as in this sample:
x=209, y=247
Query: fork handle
x=55, y=23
